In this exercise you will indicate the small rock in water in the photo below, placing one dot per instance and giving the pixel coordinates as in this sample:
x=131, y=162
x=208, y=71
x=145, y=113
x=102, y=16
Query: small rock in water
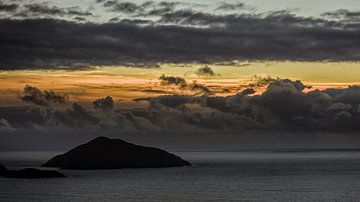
x=29, y=173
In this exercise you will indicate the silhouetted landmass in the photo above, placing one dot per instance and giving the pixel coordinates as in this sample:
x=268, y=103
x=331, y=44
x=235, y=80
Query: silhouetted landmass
x=3, y=170
x=105, y=153
x=29, y=173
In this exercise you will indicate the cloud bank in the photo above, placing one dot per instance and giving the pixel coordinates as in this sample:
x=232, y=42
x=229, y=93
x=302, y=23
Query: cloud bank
x=284, y=106
x=39, y=97
x=176, y=32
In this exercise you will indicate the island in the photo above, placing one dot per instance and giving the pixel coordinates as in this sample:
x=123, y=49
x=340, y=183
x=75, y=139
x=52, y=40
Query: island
x=106, y=153
x=3, y=170
x=29, y=173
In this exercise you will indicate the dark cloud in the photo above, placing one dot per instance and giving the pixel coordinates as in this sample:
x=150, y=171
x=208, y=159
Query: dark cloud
x=39, y=97
x=259, y=81
x=157, y=91
x=172, y=80
x=278, y=18
x=125, y=7
x=148, y=8
x=8, y=7
x=206, y=71
x=170, y=4
x=109, y=3
x=204, y=38
x=132, y=21
x=172, y=101
x=158, y=11
x=161, y=8
x=185, y=16
x=44, y=10
x=78, y=116
x=106, y=104
x=343, y=14
x=5, y=126
x=284, y=106
x=199, y=88
x=75, y=11
x=229, y=6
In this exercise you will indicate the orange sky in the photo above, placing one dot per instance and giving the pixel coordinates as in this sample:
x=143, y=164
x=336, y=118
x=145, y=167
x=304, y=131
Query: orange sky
x=127, y=83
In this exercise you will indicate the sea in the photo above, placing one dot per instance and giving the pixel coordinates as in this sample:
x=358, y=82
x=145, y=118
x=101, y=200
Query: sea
x=271, y=175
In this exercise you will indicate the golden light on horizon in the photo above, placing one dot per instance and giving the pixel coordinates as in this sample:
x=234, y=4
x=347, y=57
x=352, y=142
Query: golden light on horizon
x=128, y=83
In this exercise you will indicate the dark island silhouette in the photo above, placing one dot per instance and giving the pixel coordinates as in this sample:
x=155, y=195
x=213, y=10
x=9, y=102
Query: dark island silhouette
x=105, y=153
x=29, y=173
x=3, y=170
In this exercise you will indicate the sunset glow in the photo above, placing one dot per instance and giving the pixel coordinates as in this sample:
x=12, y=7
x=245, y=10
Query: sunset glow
x=128, y=83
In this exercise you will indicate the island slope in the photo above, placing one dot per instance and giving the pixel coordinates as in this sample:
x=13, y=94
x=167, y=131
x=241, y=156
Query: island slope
x=105, y=153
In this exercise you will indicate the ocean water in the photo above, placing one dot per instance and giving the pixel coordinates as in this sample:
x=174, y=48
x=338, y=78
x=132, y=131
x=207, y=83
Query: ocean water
x=330, y=175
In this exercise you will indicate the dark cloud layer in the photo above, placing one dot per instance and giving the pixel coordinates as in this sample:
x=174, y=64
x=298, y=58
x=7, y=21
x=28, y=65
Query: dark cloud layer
x=106, y=104
x=206, y=71
x=281, y=36
x=22, y=10
x=148, y=8
x=230, y=6
x=199, y=89
x=173, y=33
x=172, y=80
x=284, y=106
x=39, y=97
x=345, y=15
x=4, y=7
x=126, y=7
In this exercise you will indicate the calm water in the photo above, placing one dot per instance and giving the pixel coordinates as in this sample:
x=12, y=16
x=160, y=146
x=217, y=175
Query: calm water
x=214, y=176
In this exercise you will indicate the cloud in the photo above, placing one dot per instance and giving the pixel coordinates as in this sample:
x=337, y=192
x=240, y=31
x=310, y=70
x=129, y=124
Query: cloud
x=260, y=81
x=343, y=14
x=171, y=101
x=75, y=11
x=105, y=104
x=148, y=8
x=153, y=32
x=8, y=7
x=39, y=97
x=131, y=21
x=77, y=117
x=172, y=80
x=199, y=88
x=206, y=71
x=183, y=85
x=229, y=6
x=47, y=43
x=157, y=91
x=284, y=106
x=126, y=7
x=42, y=10
x=5, y=125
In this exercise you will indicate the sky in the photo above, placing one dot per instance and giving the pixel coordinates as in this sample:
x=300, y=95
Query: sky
x=218, y=68
x=304, y=7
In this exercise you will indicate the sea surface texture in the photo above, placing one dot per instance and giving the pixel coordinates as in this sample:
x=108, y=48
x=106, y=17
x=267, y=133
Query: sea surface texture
x=316, y=175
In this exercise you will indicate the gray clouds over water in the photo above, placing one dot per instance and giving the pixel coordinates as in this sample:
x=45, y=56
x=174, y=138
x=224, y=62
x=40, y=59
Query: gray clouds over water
x=174, y=35
x=284, y=106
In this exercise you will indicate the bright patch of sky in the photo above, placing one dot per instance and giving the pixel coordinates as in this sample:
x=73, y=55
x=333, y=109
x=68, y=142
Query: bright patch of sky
x=300, y=7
